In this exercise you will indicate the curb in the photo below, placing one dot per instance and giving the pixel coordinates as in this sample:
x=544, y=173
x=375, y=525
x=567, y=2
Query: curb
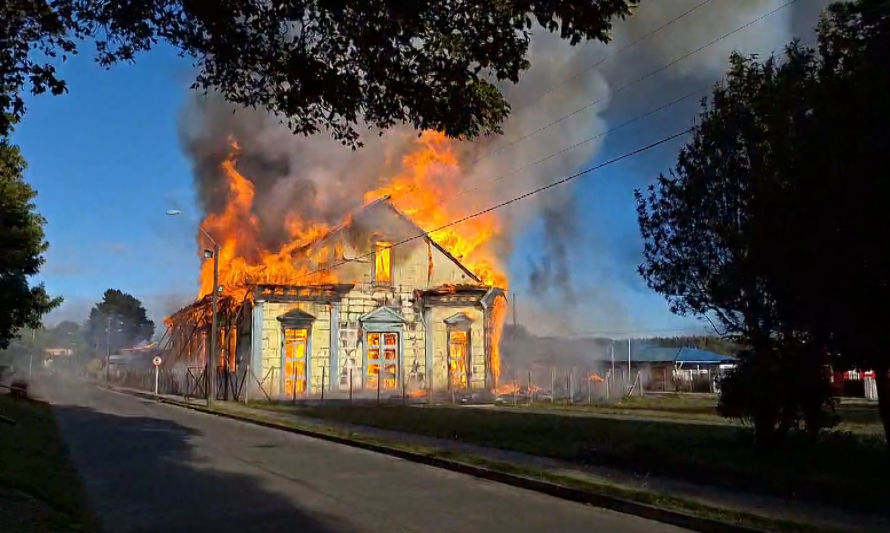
x=613, y=503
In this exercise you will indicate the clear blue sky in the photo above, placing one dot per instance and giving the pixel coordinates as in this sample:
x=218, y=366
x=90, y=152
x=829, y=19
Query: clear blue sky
x=106, y=162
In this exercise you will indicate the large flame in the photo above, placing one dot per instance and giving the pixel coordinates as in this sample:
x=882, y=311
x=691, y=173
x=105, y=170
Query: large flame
x=426, y=191
x=242, y=261
x=428, y=175
x=420, y=189
x=498, y=315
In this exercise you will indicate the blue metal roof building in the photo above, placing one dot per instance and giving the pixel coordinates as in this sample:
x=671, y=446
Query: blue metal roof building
x=688, y=356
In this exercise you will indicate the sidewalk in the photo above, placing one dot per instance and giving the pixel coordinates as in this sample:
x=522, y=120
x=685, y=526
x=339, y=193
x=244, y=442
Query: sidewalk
x=770, y=507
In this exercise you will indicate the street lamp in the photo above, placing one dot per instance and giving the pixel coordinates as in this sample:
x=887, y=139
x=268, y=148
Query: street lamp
x=208, y=368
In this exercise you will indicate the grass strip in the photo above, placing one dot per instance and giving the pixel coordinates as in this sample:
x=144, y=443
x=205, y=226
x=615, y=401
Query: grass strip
x=662, y=501
x=39, y=488
x=721, y=455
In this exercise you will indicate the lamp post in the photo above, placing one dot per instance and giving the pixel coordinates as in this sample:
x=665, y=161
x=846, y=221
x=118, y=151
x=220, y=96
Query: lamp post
x=209, y=368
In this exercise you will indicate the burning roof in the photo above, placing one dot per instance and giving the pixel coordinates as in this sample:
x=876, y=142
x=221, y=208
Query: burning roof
x=415, y=196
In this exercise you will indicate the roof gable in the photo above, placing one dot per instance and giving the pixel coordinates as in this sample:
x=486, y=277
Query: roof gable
x=459, y=320
x=296, y=316
x=383, y=315
x=413, y=231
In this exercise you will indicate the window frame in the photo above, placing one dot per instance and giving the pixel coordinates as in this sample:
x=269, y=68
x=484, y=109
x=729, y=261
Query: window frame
x=387, y=247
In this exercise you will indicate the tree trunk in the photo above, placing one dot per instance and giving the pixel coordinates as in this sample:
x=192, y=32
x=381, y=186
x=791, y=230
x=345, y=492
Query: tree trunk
x=882, y=381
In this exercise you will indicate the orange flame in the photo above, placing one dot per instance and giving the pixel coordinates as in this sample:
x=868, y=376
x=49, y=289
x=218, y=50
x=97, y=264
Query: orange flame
x=498, y=314
x=428, y=174
x=241, y=259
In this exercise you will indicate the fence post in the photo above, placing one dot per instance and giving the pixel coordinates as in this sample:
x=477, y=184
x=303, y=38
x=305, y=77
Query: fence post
x=552, y=385
x=608, y=385
x=322, y=383
x=531, y=391
x=350, y=384
x=379, y=374
x=572, y=387
x=247, y=382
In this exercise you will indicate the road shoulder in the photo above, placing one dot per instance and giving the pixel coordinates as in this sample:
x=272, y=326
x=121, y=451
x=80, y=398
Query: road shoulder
x=542, y=475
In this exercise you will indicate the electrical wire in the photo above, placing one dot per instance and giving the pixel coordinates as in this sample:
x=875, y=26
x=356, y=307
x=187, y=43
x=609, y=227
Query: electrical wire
x=513, y=200
x=582, y=142
x=633, y=82
x=606, y=58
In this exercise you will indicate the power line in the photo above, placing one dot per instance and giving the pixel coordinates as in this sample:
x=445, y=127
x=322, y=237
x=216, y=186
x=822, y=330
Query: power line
x=587, y=140
x=635, y=81
x=605, y=58
x=513, y=200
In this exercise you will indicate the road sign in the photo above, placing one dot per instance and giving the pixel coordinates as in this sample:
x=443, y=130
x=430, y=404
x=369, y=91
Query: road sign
x=157, y=360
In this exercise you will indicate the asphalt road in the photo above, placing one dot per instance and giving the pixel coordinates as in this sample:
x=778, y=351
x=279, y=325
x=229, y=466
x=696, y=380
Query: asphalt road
x=155, y=467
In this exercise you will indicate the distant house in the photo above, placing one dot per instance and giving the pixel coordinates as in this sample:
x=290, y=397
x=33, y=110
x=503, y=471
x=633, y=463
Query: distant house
x=669, y=368
x=52, y=353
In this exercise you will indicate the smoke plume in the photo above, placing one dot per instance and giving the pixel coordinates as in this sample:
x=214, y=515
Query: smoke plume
x=317, y=179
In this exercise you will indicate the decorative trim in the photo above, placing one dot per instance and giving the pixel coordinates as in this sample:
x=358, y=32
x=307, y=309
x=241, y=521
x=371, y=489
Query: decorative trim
x=382, y=315
x=459, y=321
x=296, y=318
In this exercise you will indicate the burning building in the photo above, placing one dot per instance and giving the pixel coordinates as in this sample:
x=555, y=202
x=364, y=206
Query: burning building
x=378, y=301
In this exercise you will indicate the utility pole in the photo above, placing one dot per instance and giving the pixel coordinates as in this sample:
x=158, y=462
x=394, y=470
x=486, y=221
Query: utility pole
x=31, y=351
x=209, y=364
x=214, y=324
x=612, y=351
x=628, y=358
x=107, y=345
x=514, y=312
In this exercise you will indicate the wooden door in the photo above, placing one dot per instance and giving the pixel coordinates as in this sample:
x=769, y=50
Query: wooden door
x=458, y=349
x=295, y=360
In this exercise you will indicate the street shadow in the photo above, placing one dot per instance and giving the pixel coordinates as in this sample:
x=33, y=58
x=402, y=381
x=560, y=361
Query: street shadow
x=144, y=474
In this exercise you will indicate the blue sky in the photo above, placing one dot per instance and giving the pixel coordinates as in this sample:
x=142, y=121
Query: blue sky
x=106, y=162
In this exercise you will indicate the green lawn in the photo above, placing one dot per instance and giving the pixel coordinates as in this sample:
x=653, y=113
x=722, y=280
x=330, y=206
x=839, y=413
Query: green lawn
x=856, y=417
x=840, y=468
x=39, y=489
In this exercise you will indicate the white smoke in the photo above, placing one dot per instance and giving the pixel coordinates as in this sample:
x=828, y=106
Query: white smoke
x=321, y=180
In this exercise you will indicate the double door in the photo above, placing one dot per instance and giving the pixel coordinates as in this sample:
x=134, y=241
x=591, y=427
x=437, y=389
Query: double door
x=383, y=360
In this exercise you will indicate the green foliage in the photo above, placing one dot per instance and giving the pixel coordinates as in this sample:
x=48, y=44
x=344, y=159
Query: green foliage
x=334, y=65
x=118, y=321
x=774, y=219
x=711, y=343
x=21, y=250
x=777, y=392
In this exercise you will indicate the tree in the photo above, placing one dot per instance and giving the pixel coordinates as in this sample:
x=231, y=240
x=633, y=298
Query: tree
x=707, y=227
x=774, y=220
x=118, y=321
x=21, y=250
x=841, y=194
x=334, y=65
x=712, y=343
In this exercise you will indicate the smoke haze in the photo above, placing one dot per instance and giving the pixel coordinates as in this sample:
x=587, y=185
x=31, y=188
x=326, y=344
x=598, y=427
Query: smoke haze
x=319, y=180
